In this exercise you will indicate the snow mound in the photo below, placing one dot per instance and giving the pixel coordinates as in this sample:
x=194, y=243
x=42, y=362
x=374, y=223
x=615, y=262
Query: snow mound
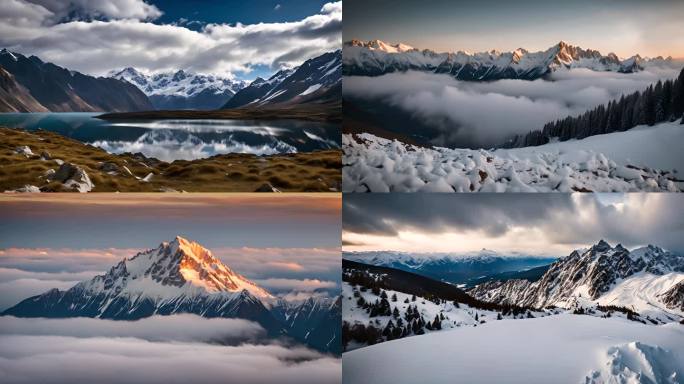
x=637, y=362
x=374, y=164
x=553, y=349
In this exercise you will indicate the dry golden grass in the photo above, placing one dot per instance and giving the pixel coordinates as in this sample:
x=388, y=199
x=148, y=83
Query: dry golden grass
x=301, y=172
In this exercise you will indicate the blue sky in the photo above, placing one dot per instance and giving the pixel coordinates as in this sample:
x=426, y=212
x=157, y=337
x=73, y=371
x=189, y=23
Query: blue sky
x=234, y=11
x=240, y=39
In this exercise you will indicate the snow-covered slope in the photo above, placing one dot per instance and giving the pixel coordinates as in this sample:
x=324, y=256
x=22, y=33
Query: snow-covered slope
x=180, y=89
x=555, y=349
x=376, y=57
x=415, y=315
x=382, y=304
x=600, y=276
x=317, y=80
x=603, y=163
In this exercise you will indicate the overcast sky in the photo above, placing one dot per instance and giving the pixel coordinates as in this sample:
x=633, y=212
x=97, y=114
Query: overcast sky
x=625, y=27
x=535, y=224
x=231, y=38
x=289, y=244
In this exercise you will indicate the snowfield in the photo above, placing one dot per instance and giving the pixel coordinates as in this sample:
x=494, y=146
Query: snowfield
x=555, y=349
x=641, y=159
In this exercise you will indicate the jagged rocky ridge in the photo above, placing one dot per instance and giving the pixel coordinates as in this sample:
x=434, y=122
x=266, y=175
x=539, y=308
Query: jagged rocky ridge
x=182, y=89
x=593, y=272
x=376, y=58
x=674, y=297
x=58, y=89
x=181, y=276
x=317, y=80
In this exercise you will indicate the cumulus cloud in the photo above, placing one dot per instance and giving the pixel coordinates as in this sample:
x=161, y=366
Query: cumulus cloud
x=535, y=224
x=120, y=36
x=483, y=114
x=168, y=349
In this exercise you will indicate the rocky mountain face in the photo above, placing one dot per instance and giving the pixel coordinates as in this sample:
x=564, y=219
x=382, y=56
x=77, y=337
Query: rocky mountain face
x=376, y=58
x=181, y=276
x=591, y=273
x=181, y=89
x=58, y=89
x=314, y=321
x=14, y=97
x=674, y=297
x=318, y=80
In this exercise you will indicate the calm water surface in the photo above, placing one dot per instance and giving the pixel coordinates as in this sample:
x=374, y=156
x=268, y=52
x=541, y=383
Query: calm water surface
x=183, y=139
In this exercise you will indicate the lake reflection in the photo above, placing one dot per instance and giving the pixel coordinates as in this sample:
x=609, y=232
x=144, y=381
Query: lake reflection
x=183, y=139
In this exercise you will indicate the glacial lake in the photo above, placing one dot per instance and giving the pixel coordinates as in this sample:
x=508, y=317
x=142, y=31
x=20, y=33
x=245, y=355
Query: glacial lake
x=176, y=139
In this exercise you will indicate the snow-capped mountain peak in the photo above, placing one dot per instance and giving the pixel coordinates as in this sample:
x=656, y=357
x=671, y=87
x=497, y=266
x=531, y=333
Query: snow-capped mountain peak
x=183, y=266
x=376, y=57
x=600, y=274
x=178, y=83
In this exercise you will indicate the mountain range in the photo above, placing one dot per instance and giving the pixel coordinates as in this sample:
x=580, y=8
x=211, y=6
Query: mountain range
x=27, y=84
x=181, y=89
x=44, y=86
x=384, y=303
x=316, y=81
x=463, y=269
x=181, y=276
x=374, y=58
x=645, y=280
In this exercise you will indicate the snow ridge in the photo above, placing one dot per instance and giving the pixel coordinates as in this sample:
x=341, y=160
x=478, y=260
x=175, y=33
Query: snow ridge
x=178, y=83
x=376, y=57
x=602, y=275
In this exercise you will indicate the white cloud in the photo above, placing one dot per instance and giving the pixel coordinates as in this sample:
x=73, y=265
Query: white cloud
x=295, y=284
x=89, y=9
x=156, y=350
x=126, y=40
x=471, y=114
x=182, y=328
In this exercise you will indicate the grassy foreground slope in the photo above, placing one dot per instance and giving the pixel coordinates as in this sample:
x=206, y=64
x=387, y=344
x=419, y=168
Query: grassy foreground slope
x=318, y=171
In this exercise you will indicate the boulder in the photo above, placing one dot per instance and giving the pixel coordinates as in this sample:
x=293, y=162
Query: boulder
x=73, y=177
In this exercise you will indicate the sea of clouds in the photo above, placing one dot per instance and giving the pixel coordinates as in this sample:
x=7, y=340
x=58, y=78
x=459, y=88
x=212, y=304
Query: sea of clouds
x=485, y=114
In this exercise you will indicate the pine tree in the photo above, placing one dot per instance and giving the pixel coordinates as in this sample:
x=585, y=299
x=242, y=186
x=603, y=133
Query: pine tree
x=413, y=298
x=678, y=96
x=437, y=323
x=394, y=297
x=395, y=313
